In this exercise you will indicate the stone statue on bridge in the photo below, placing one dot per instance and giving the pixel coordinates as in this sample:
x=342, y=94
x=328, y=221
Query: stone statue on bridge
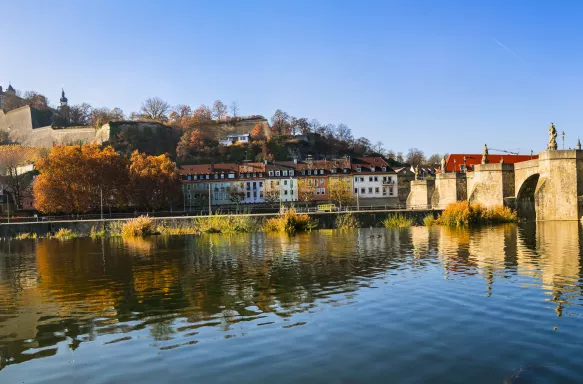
x=485, y=155
x=443, y=163
x=552, y=138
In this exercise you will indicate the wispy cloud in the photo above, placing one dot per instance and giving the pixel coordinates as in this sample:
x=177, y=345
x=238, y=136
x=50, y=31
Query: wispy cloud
x=508, y=49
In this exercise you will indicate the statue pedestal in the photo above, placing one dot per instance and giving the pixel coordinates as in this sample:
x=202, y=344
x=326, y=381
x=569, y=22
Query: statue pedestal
x=420, y=195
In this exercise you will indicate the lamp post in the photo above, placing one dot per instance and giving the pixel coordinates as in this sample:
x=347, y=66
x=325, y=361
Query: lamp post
x=563, y=137
x=210, y=202
x=101, y=200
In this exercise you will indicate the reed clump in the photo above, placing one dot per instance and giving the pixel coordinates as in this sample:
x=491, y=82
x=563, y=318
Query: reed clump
x=178, y=230
x=290, y=222
x=397, y=221
x=463, y=213
x=218, y=223
x=96, y=233
x=139, y=226
x=347, y=221
x=65, y=234
x=429, y=220
x=26, y=236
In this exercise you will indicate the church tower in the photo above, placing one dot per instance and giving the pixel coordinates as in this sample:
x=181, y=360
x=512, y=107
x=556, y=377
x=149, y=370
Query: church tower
x=63, y=100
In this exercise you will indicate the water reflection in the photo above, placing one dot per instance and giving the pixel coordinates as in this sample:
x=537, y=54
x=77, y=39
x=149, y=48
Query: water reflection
x=174, y=291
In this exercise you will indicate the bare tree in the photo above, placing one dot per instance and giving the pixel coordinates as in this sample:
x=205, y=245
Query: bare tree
x=35, y=100
x=344, y=133
x=155, y=109
x=79, y=114
x=17, y=176
x=434, y=159
x=280, y=122
x=219, y=110
x=399, y=157
x=391, y=154
x=415, y=157
x=100, y=116
x=235, y=108
x=378, y=147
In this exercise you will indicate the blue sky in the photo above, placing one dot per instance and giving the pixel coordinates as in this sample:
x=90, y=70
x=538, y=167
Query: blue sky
x=443, y=76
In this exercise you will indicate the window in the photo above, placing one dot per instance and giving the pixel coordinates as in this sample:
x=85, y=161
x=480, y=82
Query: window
x=222, y=175
x=303, y=172
x=248, y=175
x=376, y=190
x=345, y=170
x=370, y=190
x=321, y=171
x=309, y=172
x=254, y=185
x=215, y=176
x=370, y=178
x=362, y=191
x=188, y=177
x=309, y=182
x=333, y=171
x=291, y=173
x=254, y=194
x=285, y=192
x=207, y=177
x=362, y=179
x=261, y=194
x=355, y=191
x=322, y=181
x=285, y=182
x=242, y=175
x=231, y=176
x=376, y=178
x=248, y=194
x=358, y=169
x=372, y=169
x=391, y=191
x=356, y=179
x=384, y=191
x=248, y=185
x=270, y=173
x=347, y=179
x=315, y=182
x=260, y=174
x=254, y=174
x=323, y=191
x=276, y=173
x=384, y=169
x=284, y=173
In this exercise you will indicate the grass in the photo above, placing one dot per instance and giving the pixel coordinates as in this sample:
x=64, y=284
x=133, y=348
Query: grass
x=347, y=221
x=96, y=233
x=429, y=220
x=218, y=223
x=140, y=226
x=26, y=236
x=397, y=221
x=65, y=234
x=178, y=230
x=463, y=213
x=290, y=222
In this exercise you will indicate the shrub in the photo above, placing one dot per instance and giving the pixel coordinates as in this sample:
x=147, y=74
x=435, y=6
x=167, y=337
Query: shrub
x=397, y=221
x=290, y=222
x=65, y=234
x=25, y=236
x=429, y=220
x=140, y=226
x=347, y=221
x=181, y=229
x=114, y=228
x=464, y=213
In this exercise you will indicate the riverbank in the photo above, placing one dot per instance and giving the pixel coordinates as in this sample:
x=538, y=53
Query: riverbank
x=325, y=220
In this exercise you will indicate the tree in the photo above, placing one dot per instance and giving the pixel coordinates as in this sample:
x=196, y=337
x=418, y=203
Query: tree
x=340, y=192
x=219, y=110
x=434, y=159
x=35, y=100
x=13, y=158
x=257, y=131
x=271, y=191
x=378, y=147
x=235, y=108
x=202, y=115
x=306, y=191
x=280, y=122
x=415, y=157
x=391, y=154
x=154, y=181
x=190, y=143
x=100, y=116
x=344, y=133
x=399, y=157
x=72, y=179
x=79, y=114
x=155, y=109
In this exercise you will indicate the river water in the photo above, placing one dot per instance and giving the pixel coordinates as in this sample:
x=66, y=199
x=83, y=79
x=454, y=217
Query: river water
x=489, y=305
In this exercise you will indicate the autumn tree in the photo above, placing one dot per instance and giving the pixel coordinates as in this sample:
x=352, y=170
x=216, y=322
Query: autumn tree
x=35, y=100
x=306, y=191
x=202, y=115
x=236, y=193
x=154, y=181
x=257, y=131
x=340, y=192
x=280, y=122
x=155, y=109
x=72, y=179
x=219, y=110
x=100, y=116
x=190, y=143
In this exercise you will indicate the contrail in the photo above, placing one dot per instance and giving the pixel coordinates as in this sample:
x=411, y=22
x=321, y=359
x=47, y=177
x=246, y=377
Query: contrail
x=506, y=48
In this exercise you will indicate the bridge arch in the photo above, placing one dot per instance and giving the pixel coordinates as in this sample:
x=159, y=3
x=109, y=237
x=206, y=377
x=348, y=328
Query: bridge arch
x=525, y=197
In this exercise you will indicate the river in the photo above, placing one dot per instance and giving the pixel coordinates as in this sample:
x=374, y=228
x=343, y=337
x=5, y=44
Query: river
x=419, y=305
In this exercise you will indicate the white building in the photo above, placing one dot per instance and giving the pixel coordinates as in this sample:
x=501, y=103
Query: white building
x=236, y=138
x=281, y=184
x=373, y=178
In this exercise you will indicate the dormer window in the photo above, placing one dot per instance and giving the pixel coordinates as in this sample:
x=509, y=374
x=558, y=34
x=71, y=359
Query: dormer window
x=260, y=174
x=303, y=172
x=222, y=175
x=372, y=169
x=358, y=169
x=333, y=171
x=321, y=171
x=284, y=173
x=207, y=177
x=291, y=173
x=270, y=173
x=345, y=170
x=309, y=172
x=277, y=173
x=254, y=174
x=215, y=176
x=384, y=169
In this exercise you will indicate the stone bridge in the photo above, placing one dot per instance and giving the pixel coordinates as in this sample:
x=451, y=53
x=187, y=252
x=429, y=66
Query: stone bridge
x=547, y=188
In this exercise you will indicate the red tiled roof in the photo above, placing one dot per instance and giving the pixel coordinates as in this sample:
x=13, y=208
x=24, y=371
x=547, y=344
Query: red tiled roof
x=366, y=163
x=202, y=169
x=251, y=167
x=457, y=159
x=324, y=164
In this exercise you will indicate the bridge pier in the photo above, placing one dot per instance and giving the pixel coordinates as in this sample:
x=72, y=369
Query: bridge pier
x=490, y=184
x=449, y=188
x=420, y=195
